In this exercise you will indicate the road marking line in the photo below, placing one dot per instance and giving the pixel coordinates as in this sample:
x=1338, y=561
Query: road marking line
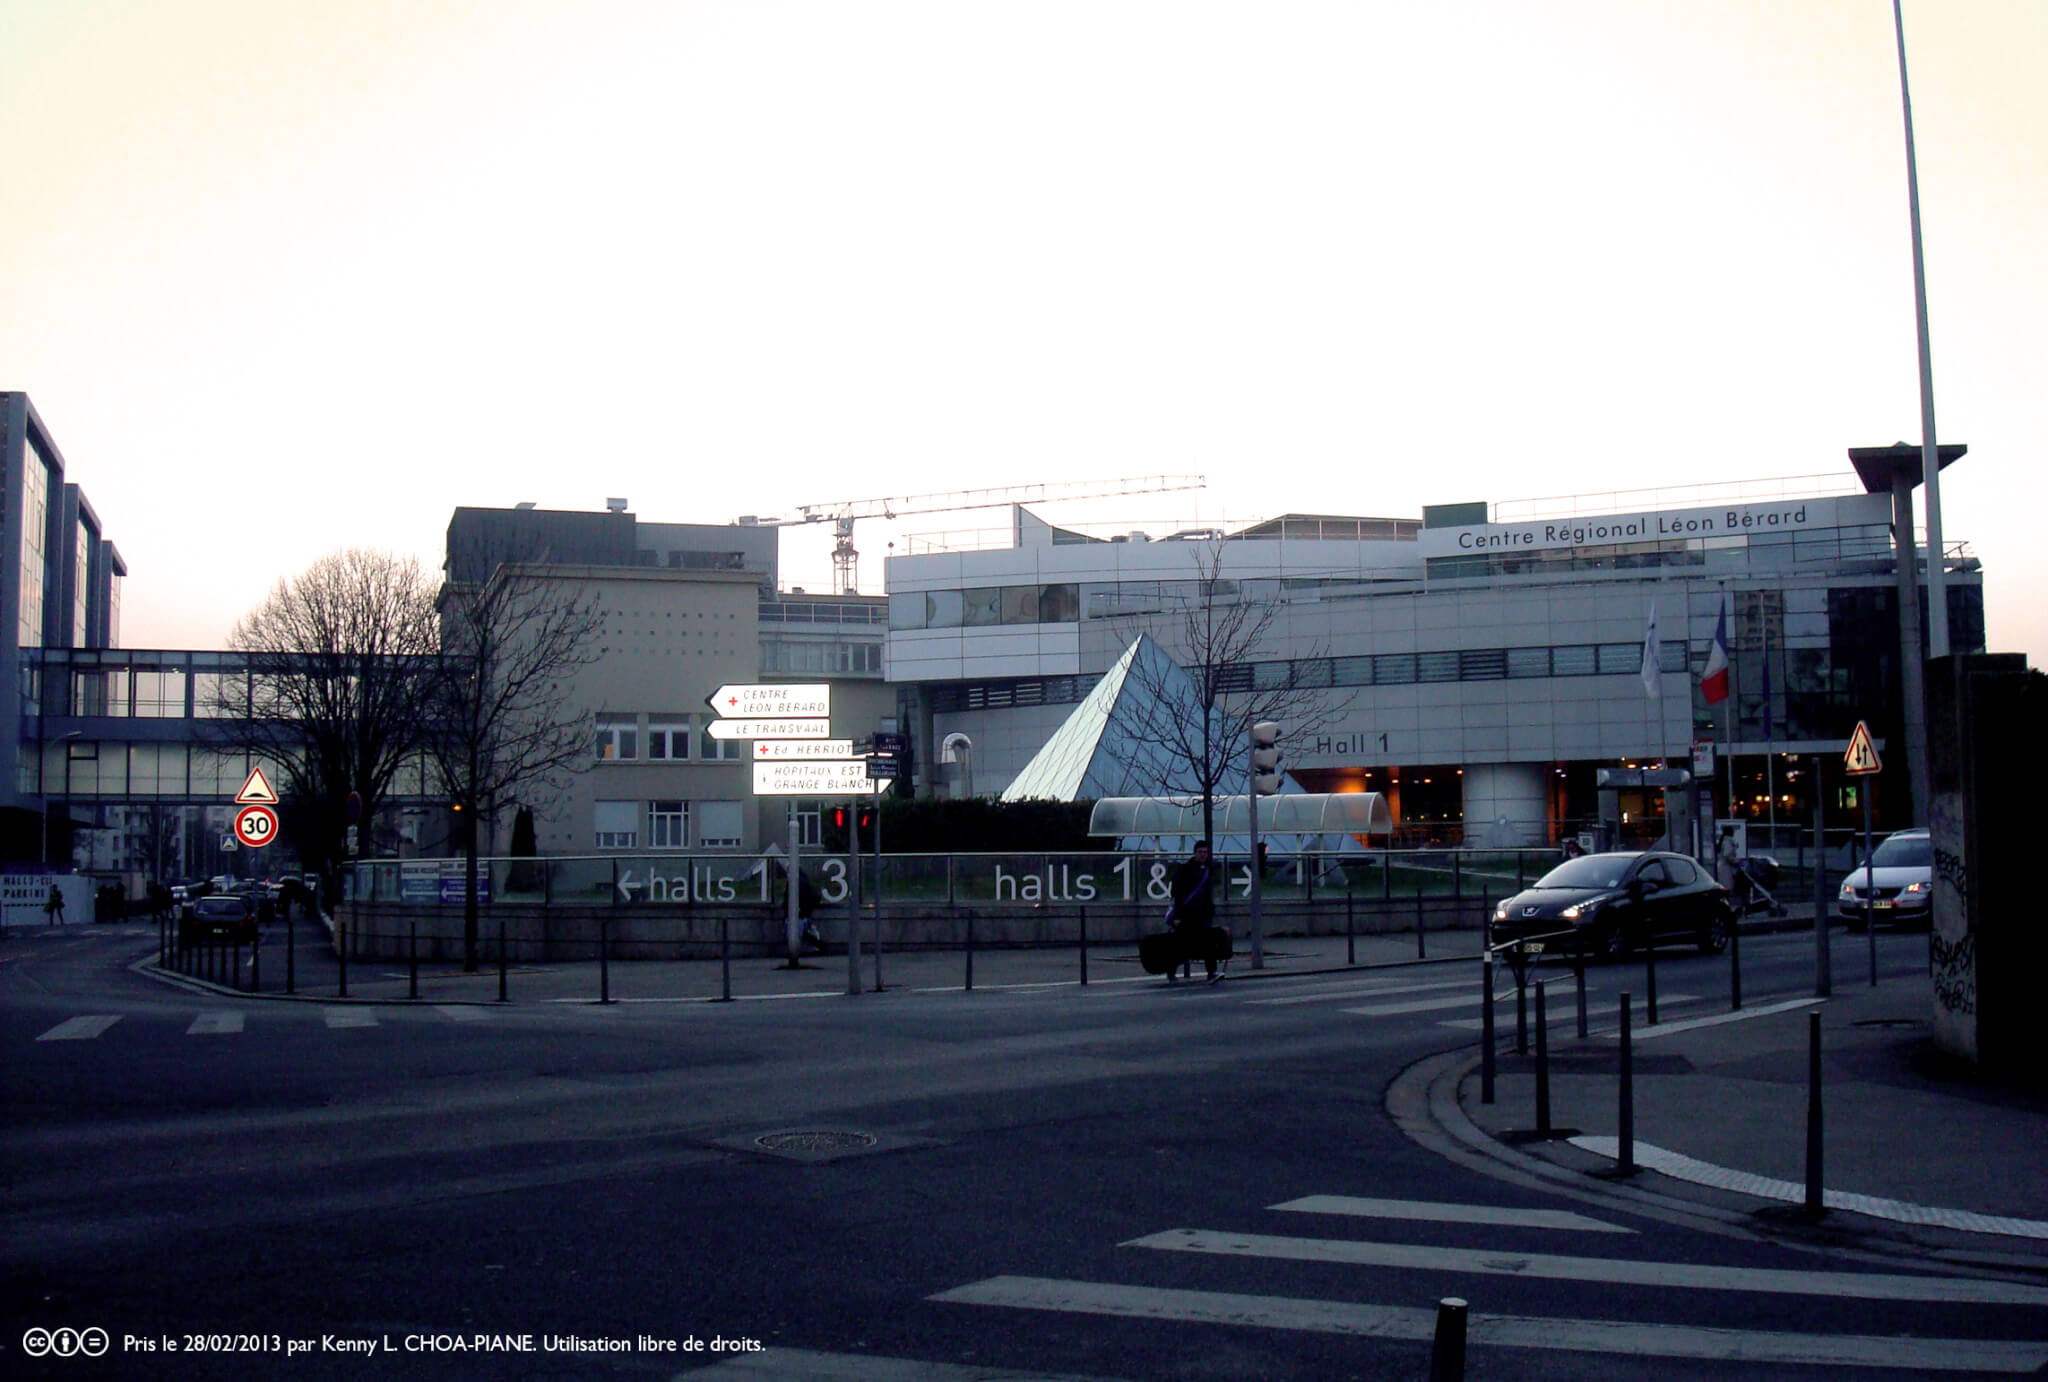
x=1428, y=1005
x=1428, y=1211
x=1504, y=1331
x=1681, y=1167
x=79, y=1028
x=1668, y=1028
x=1373, y=990
x=215, y=1024
x=350, y=1017
x=455, y=1012
x=779, y=1364
x=1616, y=1271
x=1566, y=1012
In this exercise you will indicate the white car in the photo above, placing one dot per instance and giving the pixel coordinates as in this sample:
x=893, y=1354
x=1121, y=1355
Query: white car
x=1895, y=886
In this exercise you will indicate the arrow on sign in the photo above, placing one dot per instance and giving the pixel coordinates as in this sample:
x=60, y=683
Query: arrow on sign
x=1862, y=755
x=1243, y=881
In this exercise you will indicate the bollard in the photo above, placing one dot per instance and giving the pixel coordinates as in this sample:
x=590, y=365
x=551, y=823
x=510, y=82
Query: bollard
x=1350, y=935
x=1522, y=1007
x=604, y=959
x=412, y=959
x=1486, y=1031
x=1418, y=914
x=1084, y=947
x=501, y=963
x=1815, y=1205
x=1447, y=1349
x=1579, y=972
x=1542, y=1067
x=256, y=965
x=724, y=959
x=1735, y=965
x=341, y=954
x=970, y=952
x=291, y=958
x=1625, y=1154
x=1650, y=967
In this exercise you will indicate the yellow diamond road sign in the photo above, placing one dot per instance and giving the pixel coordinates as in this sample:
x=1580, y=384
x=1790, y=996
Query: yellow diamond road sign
x=1862, y=755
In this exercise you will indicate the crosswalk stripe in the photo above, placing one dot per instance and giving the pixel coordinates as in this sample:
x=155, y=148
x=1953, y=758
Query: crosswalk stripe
x=1376, y=989
x=779, y=1364
x=79, y=1028
x=215, y=1024
x=1429, y=1005
x=1616, y=1271
x=350, y=1017
x=1668, y=1028
x=1430, y=1212
x=1510, y=1331
x=1564, y=1012
x=455, y=1012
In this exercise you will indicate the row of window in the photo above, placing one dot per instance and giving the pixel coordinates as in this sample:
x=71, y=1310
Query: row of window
x=1381, y=669
x=1065, y=603
x=818, y=612
x=667, y=823
x=822, y=659
x=664, y=739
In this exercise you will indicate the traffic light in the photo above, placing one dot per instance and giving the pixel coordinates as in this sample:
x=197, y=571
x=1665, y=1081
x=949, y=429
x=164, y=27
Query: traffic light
x=1265, y=758
x=839, y=818
x=867, y=818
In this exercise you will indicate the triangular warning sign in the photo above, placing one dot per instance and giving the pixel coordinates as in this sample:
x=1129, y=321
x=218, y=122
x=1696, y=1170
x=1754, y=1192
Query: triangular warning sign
x=256, y=791
x=1862, y=755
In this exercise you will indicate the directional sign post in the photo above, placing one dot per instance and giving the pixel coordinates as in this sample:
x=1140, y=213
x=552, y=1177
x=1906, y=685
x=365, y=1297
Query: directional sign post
x=802, y=748
x=833, y=777
x=1861, y=760
x=769, y=729
x=772, y=701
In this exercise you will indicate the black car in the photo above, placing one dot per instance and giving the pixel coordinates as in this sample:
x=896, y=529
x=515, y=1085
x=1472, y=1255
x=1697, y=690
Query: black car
x=1611, y=904
x=221, y=916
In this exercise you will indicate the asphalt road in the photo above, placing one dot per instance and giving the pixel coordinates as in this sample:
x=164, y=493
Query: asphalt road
x=1113, y=1183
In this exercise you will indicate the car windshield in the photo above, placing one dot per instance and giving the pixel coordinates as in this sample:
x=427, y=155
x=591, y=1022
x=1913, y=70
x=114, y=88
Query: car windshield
x=1905, y=852
x=218, y=906
x=1592, y=871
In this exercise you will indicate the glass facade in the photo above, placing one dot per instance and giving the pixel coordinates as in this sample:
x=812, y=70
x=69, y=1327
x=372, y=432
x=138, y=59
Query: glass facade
x=35, y=517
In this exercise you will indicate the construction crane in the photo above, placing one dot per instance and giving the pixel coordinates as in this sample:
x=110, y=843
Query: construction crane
x=842, y=513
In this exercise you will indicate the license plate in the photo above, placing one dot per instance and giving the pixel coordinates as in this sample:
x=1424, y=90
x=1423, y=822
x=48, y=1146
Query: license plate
x=1882, y=904
x=1532, y=947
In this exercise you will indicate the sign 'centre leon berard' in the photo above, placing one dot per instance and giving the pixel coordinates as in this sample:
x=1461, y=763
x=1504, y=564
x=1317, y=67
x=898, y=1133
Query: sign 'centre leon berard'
x=756, y=702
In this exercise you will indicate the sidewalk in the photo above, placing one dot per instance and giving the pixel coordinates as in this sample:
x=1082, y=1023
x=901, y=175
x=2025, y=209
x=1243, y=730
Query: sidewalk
x=1921, y=1153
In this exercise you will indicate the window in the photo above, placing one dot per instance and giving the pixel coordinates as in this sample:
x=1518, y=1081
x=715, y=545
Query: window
x=668, y=739
x=716, y=750
x=616, y=824
x=618, y=738
x=668, y=824
x=982, y=606
x=1436, y=666
x=1528, y=662
x=1020, y=604
x=720, y=825
x=1482, y=664
x=1575, y=660
x=907, y=610
x=809, y=826
x=1393, y=669
x=1059, y=604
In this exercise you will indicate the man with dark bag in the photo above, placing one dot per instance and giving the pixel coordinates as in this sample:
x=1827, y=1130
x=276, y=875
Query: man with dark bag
x=1193, y=914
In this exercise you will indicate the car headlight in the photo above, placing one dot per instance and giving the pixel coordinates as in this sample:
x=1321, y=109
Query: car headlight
x=1848, y=892
x=1918, y=888
x=1580, y=910
x=1500, y=911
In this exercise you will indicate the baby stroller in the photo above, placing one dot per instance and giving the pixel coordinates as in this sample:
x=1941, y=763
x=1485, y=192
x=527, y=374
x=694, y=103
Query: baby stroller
x=1755, y=876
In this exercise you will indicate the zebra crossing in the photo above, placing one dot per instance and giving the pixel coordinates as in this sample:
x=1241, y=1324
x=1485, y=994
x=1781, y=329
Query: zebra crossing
x=215, y=1022
x=1397, y=997
x=1431, y=1269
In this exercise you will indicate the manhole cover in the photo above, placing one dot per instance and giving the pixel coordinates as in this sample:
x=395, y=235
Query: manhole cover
x=821, y=1141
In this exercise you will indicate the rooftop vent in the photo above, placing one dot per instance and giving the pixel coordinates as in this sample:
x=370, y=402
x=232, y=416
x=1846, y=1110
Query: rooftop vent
x=523, y=505
x=615, y=505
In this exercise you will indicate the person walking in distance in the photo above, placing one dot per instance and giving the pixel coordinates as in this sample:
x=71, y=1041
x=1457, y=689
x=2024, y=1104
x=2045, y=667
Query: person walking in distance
x=53, y=905
x=1193, y=913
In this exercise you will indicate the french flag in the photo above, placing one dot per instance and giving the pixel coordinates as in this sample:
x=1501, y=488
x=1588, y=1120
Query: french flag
x=1714, y=683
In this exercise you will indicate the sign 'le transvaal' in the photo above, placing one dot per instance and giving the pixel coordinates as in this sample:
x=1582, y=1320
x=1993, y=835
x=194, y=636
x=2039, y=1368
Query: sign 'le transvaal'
x=1729, y=520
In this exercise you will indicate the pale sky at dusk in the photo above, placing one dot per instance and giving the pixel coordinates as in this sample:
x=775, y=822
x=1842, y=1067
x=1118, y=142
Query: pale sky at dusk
x=285, y=276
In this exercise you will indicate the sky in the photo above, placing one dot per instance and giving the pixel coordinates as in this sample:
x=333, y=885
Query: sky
x=288, y=276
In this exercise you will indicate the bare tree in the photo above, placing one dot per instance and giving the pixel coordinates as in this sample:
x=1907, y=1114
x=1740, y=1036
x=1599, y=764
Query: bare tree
x=1194, y=719
x=505, y=723
x=339, y=664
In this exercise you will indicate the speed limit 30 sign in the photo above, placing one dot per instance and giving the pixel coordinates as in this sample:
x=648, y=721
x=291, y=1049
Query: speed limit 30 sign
x=255, y=826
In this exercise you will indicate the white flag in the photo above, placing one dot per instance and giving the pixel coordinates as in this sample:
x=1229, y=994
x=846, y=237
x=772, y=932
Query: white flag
x=1650, y=656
